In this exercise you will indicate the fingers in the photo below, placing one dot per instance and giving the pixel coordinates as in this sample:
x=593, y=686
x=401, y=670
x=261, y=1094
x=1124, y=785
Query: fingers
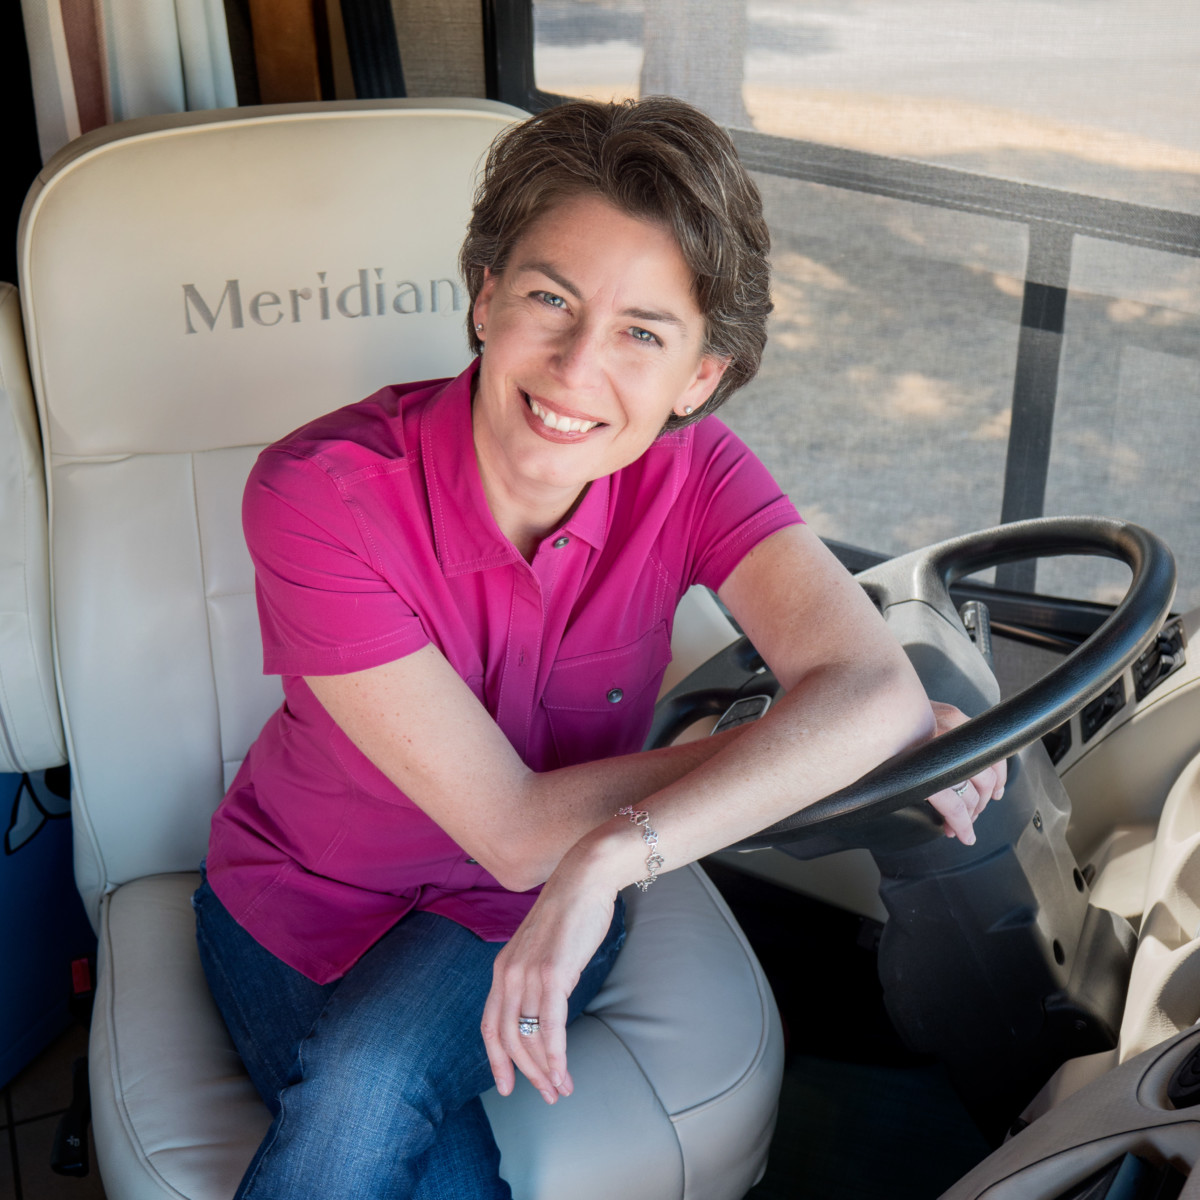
x=981, y=788
x=540, y=1053
x=961, y=805
x=533, y=978
x=957, y=812
x=1001, y=769
x=988, y=784
x=498, y=1059
x=553, y=1039
x=529, y=1050
x=526, y=1050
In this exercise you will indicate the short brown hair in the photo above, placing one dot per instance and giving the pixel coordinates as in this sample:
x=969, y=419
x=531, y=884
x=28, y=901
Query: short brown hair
x=658, y=159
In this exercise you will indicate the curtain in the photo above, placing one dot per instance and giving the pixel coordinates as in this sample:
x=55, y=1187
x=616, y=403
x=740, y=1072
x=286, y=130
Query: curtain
x=98, y=61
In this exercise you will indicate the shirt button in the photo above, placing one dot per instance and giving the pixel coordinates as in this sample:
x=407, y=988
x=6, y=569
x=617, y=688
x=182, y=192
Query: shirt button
x=472, y=862
x=559, y=543
x=616, y=696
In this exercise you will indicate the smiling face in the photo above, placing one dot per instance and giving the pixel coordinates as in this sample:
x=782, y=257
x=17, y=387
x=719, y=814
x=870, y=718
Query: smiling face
x=592, y=338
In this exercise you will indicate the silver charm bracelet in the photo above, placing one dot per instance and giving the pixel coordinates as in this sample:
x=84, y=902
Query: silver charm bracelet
x=641, y=818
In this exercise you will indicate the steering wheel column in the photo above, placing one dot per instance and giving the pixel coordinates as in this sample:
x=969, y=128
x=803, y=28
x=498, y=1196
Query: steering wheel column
x=992, y=959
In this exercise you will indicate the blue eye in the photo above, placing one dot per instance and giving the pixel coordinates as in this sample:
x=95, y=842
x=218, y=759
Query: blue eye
x=551, y=299
x=644, y=336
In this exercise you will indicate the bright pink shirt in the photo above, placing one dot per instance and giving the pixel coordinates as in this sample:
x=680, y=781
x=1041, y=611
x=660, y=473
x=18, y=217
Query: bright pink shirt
x=371, y=538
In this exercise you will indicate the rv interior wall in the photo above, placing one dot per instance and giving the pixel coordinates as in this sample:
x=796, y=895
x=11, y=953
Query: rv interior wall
x=446, y=37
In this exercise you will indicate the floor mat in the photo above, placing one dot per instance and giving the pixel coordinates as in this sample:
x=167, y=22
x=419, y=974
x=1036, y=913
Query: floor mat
x=861, y=1117
x=851, y=1131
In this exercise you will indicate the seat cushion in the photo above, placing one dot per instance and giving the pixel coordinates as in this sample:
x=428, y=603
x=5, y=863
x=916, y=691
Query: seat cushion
x=677, y=1062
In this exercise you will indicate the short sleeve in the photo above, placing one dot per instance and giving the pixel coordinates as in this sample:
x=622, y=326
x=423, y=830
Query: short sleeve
x=730, y=503
x=323, y=607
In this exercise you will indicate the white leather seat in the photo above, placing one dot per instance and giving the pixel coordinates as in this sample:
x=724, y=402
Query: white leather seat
x=194, y=287
x=1100, y=1107
x=1164, y=984
x=31, y=736
x=1157, y=885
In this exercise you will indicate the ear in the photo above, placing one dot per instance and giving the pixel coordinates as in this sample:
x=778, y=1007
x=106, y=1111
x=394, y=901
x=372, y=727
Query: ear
x=479, y=312
x=709, y=373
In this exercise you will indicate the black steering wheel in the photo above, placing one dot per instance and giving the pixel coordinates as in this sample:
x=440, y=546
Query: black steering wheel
x=924, y=578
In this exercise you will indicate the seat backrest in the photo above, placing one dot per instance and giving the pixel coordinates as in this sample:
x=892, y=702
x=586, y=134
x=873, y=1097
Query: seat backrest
x=194, y=287
x=31, y=735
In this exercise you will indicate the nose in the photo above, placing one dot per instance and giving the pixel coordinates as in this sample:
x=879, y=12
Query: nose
x=577, y=357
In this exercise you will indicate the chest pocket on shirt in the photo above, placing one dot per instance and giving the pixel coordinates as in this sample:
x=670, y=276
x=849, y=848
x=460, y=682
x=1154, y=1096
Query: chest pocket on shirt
x=601, y=704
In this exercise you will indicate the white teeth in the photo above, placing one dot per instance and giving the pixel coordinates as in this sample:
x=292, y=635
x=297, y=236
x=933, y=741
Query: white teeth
x=562, y=424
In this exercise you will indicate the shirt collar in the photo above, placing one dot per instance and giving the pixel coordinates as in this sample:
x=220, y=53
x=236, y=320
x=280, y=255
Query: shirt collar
x=590, y=519
x=465, y=533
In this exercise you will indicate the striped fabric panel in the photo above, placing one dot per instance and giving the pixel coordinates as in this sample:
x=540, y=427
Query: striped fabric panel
x=85, y=50
x=97, y=61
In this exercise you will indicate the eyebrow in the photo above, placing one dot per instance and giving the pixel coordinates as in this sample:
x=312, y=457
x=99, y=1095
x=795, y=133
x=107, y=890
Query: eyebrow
x=638, y=314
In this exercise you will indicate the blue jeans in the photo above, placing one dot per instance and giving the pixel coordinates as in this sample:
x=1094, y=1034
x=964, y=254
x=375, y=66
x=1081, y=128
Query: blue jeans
x=373, y=1080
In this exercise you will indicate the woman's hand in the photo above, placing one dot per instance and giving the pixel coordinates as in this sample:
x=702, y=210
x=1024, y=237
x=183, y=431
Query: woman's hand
x=535, y=974
x=960, y=811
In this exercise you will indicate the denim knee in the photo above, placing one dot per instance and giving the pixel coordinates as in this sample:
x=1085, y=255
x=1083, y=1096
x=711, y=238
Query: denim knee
x=397, y=1073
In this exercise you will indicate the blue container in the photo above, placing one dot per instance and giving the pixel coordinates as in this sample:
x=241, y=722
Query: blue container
x=43, y=927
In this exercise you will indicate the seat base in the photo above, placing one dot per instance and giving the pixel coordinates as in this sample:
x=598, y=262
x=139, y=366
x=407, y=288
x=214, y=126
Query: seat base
x=677, y=1062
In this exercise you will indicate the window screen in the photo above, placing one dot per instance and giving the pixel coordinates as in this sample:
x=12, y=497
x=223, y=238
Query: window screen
x=1095, y=96
x=890, y=362
x=1009, y=328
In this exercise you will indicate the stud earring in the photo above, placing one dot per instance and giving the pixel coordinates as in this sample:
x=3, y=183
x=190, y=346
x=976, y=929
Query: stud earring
x=478, y=327
x=687, y=410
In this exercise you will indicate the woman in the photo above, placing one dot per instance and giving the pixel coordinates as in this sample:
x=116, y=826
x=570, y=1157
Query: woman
x=468, y=587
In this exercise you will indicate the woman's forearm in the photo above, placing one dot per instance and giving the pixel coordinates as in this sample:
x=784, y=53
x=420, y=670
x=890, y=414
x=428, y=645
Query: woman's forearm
x=833, y=727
